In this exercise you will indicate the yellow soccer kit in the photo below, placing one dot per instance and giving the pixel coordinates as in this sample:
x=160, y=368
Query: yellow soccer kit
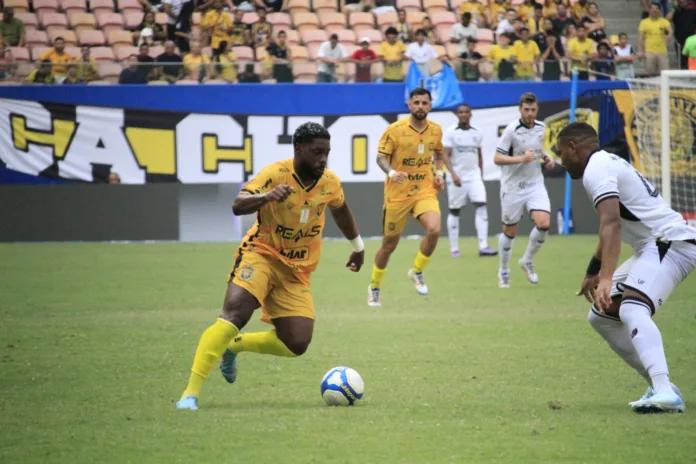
x=392, y=53
x=278, y=254
x=411, y=152
x=60, y=61
x=655, y=31
x=526, y=54
x=220, y=22
x=581, y=49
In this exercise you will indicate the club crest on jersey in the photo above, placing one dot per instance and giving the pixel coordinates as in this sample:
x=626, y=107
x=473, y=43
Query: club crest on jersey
x=246, y=272
x=391, y=226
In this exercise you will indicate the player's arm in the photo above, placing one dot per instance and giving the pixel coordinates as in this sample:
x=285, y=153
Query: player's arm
x=447, y=155
x=385, y=149
x=345, y=221
x=505, y=159
x=248, y=203
x=480, y=159
x=440, y=159
x=609, y=247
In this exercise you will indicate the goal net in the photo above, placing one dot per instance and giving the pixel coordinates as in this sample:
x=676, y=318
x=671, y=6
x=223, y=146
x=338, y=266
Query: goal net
x=663, y=141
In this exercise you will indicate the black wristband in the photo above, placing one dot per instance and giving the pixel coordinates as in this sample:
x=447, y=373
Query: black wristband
x=594, y=267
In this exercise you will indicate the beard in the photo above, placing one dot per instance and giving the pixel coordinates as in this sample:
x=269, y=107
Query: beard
x=419, y=115
x=312, y=172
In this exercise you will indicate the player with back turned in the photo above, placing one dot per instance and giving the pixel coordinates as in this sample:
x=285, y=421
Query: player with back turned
x=624, y=299
x=274, y=262
x=405, y=154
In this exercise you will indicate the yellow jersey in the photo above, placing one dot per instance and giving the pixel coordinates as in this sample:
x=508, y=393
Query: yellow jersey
x=410, y=151
x=655, y=32
x=498, y=53
x=580, y=11
x=524, y=12
x=86, y=70
x=497, y=12
x=291, y=231
x=582, y=49
x=220, y=22
x=526, y=53
x=195, y=63
x=60, y=61
x=391, y=52
x=473, y=7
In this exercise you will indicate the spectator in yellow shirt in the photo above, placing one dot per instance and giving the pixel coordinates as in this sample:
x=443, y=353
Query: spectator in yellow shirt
x=217, y=24
x=261, y=30
x=59, y=58
x=580, y=51
x=391, y=51
x=535, y=24
x=86, y=66
x=196, y=63
x=41, y=74
x=526, y=10
x=527, y=55
x=476, y=10
x=653, y=34
x=225, y=63
x=579, y=10
x=495, y=12
x=404, y=30
x=503, y=57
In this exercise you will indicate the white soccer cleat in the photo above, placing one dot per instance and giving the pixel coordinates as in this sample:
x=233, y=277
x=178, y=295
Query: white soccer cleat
x=649, y=393
x=528, y=268
x=373, y=299
x=659, y=402
x=418, y=281
x=503, y=279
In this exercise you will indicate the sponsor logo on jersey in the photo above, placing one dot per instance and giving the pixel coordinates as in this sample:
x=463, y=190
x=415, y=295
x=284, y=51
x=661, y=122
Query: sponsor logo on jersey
x=289, y=233
x=417, y=162
x=296, y=254
x=416, y=177
x=246, y=272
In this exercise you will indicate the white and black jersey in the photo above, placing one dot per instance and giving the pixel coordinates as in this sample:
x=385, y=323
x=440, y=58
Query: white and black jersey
x=515, y=141
x=645, y=216
x=465, y=144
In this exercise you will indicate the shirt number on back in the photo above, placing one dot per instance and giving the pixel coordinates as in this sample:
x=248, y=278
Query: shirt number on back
x=651, y=190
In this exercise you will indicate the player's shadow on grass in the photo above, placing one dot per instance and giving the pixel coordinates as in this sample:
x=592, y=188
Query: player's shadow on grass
x=290, y=404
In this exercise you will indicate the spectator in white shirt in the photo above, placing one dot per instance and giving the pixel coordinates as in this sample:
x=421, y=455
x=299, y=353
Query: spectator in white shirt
x=330, y=54
x=462, y=32
x=421, y=52
x=506, y=26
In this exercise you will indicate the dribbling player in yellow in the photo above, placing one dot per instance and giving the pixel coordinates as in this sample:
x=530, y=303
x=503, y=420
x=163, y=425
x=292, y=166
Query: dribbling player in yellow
x=275, y=259
x=406, y=154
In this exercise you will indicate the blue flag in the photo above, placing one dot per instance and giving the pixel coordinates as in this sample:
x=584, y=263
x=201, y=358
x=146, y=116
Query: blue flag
x=443, y=86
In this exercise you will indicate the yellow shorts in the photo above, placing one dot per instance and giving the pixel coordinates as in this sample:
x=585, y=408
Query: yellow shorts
x=396, y=214
x=281, y=291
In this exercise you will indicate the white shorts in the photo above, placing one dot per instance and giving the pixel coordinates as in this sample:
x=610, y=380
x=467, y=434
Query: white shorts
x=656, y=271
x=513, y=204
x=474, y=190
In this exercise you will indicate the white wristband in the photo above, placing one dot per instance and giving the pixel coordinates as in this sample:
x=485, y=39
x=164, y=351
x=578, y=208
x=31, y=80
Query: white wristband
x=391, y=173
x=439, y=173
x=358, y=244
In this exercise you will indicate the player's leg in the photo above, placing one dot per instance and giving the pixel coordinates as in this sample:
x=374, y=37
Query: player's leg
x=394, y=220
x=456, y=199
x=511, y=206
x=477, y=194
x=539, y=208
x=427, y=212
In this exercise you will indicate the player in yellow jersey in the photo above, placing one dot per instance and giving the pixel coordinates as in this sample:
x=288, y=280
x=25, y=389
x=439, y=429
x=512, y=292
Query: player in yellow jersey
x=275, y=259
x=405, y=154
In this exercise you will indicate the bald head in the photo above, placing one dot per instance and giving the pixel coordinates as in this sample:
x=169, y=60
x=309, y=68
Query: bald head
x=576, y=142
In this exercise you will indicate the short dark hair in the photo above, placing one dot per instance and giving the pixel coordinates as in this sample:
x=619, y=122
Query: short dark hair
x=603, y=45
x=421, y=31
x=418, y=91
x=259, y=8
x=463, y=104
x=391, y=30
x=86, y=46
x=309, y=132
x=528, y=98
x=333, y=37
x=623, y=34
x=282, y=32
x=466, y=15
x=58, y=38
x=401, y=10
x=426, y=17
x=538, y=6
x=511, y=9
x=579, y=26
x=577, y=130
x=132, y=55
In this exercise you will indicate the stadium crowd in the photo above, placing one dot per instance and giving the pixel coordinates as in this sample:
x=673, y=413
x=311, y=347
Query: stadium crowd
x=229, y=41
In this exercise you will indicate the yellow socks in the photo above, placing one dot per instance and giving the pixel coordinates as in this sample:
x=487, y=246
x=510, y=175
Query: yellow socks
x=377, y=276
x=420, y=262
x=210, y=348
x=262, y=343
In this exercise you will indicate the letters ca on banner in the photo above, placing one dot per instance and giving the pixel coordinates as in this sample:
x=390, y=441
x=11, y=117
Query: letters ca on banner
x=85, y=143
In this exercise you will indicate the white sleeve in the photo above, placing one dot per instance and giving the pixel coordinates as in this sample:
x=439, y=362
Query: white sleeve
x=409, y=53
x=454, y=32
x=501, y=28
x=432, y=52
x=447, y=139
x=505, y=142
x=322, y=50
x=343, y=50
x=601, y=180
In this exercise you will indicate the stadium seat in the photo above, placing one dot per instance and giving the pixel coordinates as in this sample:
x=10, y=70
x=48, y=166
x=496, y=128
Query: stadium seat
x=484, y=48
x=34, y=38
x=443, y=32
x=99, y=83
x=440, y=50
x=313, y=50
x=314, y=36
x=293, y=37
x=158, y=83
x=361, y=21
x=131, y=6
x=156, y=51
x=346, y=36
x=350, y=49
x=132, y=19
x=29, y=19
x=102, y=53
x=451, y=49
x=325, y=6
x=415, y=19
x=73, y=50
x=305, y=72
x=516, y=3
x=20, y=6
x=332, y=21
x=214, y=82
x=107, y=70
x=373, y=34
x=45, y=6
x=52, y=20
x=119, y=38
x=485, y=35
x=408, y=5
x=443, y=18
x=250, y=18
x=68, y=36
x=98, y=7
x=186, y=82
x=243, y=53
x=125, y=51
x=298, y=53
x=305, y=21
x=23, y=70
x=261, y=53
x=298, y=6
x=386, y=19
x=433, y=6
x=20, y=53
x=37, y=51
x=73, y=6
x=454, y=5
x=280, y=21
x=82, y=21
x=109, y=22
x=346, y=72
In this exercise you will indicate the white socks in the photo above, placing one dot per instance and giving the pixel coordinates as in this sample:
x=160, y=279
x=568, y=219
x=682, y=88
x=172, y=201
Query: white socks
x=647, y=341
x=505, y=250
x=619, y=339
x=481, y=222
x=453, y=231
x=536, y=239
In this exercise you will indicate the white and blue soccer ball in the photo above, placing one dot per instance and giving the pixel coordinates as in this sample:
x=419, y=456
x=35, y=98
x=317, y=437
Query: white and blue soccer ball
x=342, y=386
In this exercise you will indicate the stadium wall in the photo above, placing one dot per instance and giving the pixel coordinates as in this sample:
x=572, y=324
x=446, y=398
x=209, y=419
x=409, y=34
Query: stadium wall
x=203, y=213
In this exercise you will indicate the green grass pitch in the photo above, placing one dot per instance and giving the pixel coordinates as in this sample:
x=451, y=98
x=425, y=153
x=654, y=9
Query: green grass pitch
x=97, y=340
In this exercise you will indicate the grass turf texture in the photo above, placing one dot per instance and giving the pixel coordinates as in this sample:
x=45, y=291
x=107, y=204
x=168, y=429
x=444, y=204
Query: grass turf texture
x=97, y=340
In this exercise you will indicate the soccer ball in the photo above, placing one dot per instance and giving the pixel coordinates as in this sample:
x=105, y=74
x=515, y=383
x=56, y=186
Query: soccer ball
x=342, y=386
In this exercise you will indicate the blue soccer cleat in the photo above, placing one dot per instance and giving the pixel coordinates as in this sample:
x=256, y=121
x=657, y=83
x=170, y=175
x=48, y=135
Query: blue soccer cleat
x=228, y=366
x=189, y=402
x=665, y=402
x=488, y=251
x=650, y=392
x=503, y=279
